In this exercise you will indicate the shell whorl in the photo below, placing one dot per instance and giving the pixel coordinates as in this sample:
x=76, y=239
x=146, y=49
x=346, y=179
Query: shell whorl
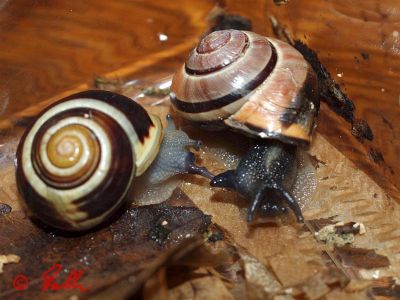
x=259, y=85
x=76, y=163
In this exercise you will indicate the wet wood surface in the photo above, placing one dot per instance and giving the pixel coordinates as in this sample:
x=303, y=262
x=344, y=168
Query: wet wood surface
x=49, y=49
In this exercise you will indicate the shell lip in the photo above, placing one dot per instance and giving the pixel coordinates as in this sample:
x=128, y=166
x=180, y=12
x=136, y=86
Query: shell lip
x=150, y=146
x=262, y=133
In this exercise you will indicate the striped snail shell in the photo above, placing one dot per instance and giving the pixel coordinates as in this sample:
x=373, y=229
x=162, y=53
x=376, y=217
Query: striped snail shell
x=258, y=85
x=77, y=161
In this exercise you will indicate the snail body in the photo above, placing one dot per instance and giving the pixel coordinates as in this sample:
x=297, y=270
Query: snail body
x=173, y=157
x=77, y=162
x=261, y=87
x=268, y=168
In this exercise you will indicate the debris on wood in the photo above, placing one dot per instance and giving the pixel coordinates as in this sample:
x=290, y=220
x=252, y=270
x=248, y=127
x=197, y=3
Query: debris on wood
x=318, y=224
x=350, y=227
x=187, y=269
x=361, y=258
x=321, y=284
x=365, y=55
x=219, y=19
x=356, y=285
x=375, y=155
x=260, y=282
x=330, y=91
x=204, y=287
x=329, y=235
x=281, y=31
x=125, y=246
x=281, y=2
x=8, y=259
x=385, y=288
x=5, y=209
x=361, y=130
x=338, y=233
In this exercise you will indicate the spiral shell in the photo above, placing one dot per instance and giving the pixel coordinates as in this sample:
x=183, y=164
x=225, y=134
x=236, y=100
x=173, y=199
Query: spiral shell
x=76, y=163
x=258, y=85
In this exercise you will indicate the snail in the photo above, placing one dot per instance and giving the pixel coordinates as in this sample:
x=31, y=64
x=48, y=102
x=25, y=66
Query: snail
x=258, y=86
x=77, y=163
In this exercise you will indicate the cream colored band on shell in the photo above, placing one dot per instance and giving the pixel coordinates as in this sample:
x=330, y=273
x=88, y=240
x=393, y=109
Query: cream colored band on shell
x=63, y=199
x=65, y=172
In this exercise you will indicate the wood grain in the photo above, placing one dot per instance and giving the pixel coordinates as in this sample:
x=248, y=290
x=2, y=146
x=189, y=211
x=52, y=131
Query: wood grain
x=48, y=47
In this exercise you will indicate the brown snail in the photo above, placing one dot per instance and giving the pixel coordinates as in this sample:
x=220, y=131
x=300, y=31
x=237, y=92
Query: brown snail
x=259, y=86
x=77, y=162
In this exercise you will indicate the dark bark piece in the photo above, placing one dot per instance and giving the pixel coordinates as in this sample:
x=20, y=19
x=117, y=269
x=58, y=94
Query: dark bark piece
x=124, y=247
x=361, y=258
x=361, y=130
x=376, y=155
x=333, y=95
x=347, y=228
x=330, y=91
x=385, y=288
x=226, y=21
x=318, y=224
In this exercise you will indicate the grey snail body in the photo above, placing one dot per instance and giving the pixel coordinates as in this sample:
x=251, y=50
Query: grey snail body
x=77, y=163
x=261, y=87
x=268, y=168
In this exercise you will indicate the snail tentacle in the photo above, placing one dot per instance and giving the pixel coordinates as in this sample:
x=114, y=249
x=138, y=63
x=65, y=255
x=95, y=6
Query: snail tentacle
x=192, y=168
x=256, y=203
x=174, y=157
x=291, y=201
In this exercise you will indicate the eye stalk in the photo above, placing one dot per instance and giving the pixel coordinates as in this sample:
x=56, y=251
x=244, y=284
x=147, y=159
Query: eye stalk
x=174, y=157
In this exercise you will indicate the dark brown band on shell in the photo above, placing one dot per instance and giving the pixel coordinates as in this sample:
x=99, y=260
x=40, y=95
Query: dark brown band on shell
x=113, y=187
x=197, y=107
x=280, y=103
x=135, y=113
x=97, y=203
x=94, y=204
x=57, y=175
x=57, y=181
